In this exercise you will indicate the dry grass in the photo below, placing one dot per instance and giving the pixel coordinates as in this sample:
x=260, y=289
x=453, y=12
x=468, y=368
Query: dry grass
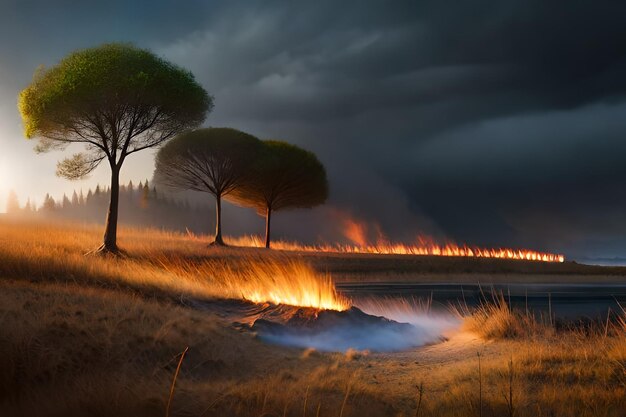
x=66, y=350
x=96, y=336
x=161, y=264
x=495, y=319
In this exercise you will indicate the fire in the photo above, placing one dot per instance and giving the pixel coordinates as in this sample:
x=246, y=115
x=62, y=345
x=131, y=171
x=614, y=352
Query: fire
x=277, y=281
x=286, y=282
x=449, y=249
x=355, y=231
x=358, y=232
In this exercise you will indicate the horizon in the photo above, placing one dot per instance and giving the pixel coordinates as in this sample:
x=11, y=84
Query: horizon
x=514, y=142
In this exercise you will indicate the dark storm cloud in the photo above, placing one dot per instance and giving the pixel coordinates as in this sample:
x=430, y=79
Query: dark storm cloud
x=489, y=122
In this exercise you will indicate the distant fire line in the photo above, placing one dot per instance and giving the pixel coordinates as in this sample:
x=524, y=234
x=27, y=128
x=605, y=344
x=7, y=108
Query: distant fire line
x=404, y=249
x=451, y=250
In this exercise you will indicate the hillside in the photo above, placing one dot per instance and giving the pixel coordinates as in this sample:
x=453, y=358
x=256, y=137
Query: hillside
x=91, y=335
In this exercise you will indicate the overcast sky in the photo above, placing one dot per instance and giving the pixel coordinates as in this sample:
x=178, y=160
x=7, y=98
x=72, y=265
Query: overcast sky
x=492, y=123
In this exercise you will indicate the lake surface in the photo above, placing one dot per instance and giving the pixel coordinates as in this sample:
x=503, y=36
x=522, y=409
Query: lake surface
x=565, y=301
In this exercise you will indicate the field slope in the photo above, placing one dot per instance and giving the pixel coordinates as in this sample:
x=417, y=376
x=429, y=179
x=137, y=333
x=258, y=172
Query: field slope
x=86, y=335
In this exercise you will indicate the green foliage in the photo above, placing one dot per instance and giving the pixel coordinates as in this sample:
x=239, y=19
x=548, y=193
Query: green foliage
x=109, y=79
x=283, y=176
x=115, y=99
x=213, y=160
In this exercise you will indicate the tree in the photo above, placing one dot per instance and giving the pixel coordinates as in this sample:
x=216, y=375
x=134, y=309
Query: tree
x=284, y=176
x=13, y=204
x=145, y=195
x=28, y=208
x=212, y=160
x=65, y=202
x=49, y=204
x=116, y=100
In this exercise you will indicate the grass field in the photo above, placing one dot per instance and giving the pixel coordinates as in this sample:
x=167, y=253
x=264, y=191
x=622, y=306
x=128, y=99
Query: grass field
x=89, y=335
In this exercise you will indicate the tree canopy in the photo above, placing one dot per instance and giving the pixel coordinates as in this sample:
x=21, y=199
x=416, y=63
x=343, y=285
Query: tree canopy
x=212, y=160
x=116, y=99
x=284, y=176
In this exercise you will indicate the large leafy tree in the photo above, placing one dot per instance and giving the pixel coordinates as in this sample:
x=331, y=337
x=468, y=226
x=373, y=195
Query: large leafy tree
x=212, y=160
x=284, y=176
x=116, y=100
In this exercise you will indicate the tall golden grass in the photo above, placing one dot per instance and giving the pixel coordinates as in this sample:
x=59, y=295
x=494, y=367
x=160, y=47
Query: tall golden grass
x=165, y=262
x=86, y=335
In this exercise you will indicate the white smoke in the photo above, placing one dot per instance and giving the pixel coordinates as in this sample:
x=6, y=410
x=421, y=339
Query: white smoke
x=383, y=325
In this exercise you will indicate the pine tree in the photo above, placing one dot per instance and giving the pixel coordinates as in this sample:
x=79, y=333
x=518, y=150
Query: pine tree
x=66, y=202
x=28, y=208
x=130, y=191
x=74, y=199
x=145, y=195
x=48, y=203
x=81, y=198
x=13, y=204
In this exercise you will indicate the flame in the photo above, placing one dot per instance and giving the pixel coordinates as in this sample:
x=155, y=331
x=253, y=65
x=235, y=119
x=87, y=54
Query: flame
x=358, y=232
x=277, y=281
x=287, y=282
x=355, y=231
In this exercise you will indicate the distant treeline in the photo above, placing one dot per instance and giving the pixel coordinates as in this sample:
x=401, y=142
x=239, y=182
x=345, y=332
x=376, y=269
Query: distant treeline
x=141, y=205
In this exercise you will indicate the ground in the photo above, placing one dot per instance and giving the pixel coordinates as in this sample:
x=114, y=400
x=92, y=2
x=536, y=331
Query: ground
x=87, y=335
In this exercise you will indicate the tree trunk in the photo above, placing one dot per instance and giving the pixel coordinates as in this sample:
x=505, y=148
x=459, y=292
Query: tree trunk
x=218, y=221
x=268, y=220
x=110, y=233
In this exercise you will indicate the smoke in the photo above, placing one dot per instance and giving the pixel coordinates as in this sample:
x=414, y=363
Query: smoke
x=415, y=311
x=383, y=325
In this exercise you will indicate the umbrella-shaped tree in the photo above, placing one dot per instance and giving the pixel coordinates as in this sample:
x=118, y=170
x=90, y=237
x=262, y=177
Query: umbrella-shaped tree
x=213, y=160
x=284, y=176
x=116, y=100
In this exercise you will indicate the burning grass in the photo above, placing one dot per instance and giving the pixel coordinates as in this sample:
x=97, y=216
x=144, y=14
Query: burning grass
x=162, y=262
x=424, y=247
x=97, y=336
x=67, y=350
x=259, y=280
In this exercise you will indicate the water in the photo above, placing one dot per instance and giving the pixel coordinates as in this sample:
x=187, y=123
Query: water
x=565, y=301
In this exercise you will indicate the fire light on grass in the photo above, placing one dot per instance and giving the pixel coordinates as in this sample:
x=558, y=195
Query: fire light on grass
x=56, y=251
x=422, y=247
x=277, y=281
x=292, y=283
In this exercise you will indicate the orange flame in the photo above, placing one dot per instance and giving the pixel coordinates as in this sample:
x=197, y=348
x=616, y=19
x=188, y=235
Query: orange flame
x=290, y=283
x=277, y=281
x=357, y=233
x=449, y=249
